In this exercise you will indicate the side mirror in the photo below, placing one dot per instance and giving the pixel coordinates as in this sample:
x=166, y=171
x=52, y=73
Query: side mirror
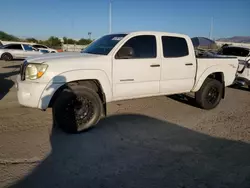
x=125, y=53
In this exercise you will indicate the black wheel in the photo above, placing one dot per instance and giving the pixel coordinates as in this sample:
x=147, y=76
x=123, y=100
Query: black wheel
x=210, y=94
x=77, y=109
x=7, y=57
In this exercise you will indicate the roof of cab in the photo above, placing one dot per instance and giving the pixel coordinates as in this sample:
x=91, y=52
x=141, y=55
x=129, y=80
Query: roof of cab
x=153, y=33
x=234, y=46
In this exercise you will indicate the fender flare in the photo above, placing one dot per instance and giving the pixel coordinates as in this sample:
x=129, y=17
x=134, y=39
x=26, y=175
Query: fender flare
x=204, y=75
x=76, y=75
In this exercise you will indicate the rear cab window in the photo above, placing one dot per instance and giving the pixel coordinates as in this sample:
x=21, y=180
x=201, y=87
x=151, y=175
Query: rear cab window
x=174, y=47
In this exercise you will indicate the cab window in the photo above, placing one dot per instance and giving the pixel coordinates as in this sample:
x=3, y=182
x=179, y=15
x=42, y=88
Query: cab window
x=139, y=47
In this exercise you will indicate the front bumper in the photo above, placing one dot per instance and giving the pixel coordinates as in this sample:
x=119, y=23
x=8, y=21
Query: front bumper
x=35, y=94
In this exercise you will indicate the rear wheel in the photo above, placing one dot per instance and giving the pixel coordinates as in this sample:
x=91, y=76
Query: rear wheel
x=210, y=94
x=77, y=109
x=7, y=57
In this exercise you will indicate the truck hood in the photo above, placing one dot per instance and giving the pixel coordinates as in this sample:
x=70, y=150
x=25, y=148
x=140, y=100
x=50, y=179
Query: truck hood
x=57, y=56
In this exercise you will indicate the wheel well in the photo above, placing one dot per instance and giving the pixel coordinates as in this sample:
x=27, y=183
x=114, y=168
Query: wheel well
x=220, y=77
x=217, y=76
x=93, y=84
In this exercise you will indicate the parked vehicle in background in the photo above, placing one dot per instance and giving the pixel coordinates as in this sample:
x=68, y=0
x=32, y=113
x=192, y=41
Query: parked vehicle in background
x=44, y=51
x=43, y=47
x=242, y=53
x=117, y=67
x=17, y=51
x=243, y=74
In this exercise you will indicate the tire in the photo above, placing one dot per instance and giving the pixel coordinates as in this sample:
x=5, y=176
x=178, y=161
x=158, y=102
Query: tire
x=77, y=109
x=7, y=57
x=210, y=94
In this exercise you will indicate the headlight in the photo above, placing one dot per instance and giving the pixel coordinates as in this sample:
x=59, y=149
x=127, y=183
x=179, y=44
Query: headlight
x=35, y=71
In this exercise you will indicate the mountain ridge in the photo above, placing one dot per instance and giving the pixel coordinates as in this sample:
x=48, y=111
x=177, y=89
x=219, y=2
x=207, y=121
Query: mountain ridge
x=236, y=39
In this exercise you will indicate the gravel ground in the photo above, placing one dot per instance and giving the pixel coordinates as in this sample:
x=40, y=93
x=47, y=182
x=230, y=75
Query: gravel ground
x=149, y=142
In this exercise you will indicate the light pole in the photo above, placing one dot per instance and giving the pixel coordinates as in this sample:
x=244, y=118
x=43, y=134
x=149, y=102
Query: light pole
x=110, y=16
x=89, y=34
x=211, y=28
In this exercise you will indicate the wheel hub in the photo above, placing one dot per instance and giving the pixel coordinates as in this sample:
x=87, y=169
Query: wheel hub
x=212, y=95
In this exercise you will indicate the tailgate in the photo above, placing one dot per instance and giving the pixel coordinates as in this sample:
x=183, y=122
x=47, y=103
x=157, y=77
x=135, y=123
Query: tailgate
x=242, y=66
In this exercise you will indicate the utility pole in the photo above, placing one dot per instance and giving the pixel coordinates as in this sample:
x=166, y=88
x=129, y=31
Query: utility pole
x=211, y=28
x=89, y=34
x=110, y=16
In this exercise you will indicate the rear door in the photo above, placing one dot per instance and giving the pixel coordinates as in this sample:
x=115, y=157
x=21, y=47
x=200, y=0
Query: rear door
x=137, y=73
x=178, y=65
x=15, y=50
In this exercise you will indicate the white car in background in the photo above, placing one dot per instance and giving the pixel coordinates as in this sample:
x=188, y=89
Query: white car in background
x=43, y=47
x=17, y=51
x=242, y=53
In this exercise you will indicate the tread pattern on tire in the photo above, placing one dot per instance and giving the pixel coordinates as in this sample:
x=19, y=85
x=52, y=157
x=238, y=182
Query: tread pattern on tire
x=77, y=90
x=200, y=95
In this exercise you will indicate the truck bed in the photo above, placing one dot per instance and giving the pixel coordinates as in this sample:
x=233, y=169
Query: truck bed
x=228, y=66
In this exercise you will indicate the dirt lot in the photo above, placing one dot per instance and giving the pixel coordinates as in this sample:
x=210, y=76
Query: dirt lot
x=150, y=142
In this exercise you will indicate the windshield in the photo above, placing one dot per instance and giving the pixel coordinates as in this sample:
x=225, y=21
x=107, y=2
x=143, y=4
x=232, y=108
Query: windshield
x=235, y=51
x=104, y=45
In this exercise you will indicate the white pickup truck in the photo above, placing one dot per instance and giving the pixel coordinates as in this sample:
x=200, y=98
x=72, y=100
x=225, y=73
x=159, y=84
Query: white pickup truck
x=121, y=66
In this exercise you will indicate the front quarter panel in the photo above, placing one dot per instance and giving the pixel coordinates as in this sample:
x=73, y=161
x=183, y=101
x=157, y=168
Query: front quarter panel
x=72, y=76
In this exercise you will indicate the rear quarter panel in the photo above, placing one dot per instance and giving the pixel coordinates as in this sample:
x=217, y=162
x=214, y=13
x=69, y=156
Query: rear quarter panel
x=205, y=67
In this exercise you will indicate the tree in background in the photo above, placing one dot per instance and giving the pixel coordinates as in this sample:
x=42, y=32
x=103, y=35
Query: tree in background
x=69, y=41
x=83, y=41
x=65, y=40
x=53, y=42
x=33, y=40
x=6, y=37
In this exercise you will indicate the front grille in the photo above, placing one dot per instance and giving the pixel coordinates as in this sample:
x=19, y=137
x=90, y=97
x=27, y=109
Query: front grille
x=23, y=69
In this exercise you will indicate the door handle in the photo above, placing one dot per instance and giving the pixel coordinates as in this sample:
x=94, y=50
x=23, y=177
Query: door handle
x=127, y=80
x=155, y=65
x=189, y=64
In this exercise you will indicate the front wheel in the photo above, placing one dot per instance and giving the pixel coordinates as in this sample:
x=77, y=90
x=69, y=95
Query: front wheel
x=77, y=109
x=210, y=94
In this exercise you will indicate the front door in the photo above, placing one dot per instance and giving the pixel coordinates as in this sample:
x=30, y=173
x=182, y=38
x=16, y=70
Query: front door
x=136, y=68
